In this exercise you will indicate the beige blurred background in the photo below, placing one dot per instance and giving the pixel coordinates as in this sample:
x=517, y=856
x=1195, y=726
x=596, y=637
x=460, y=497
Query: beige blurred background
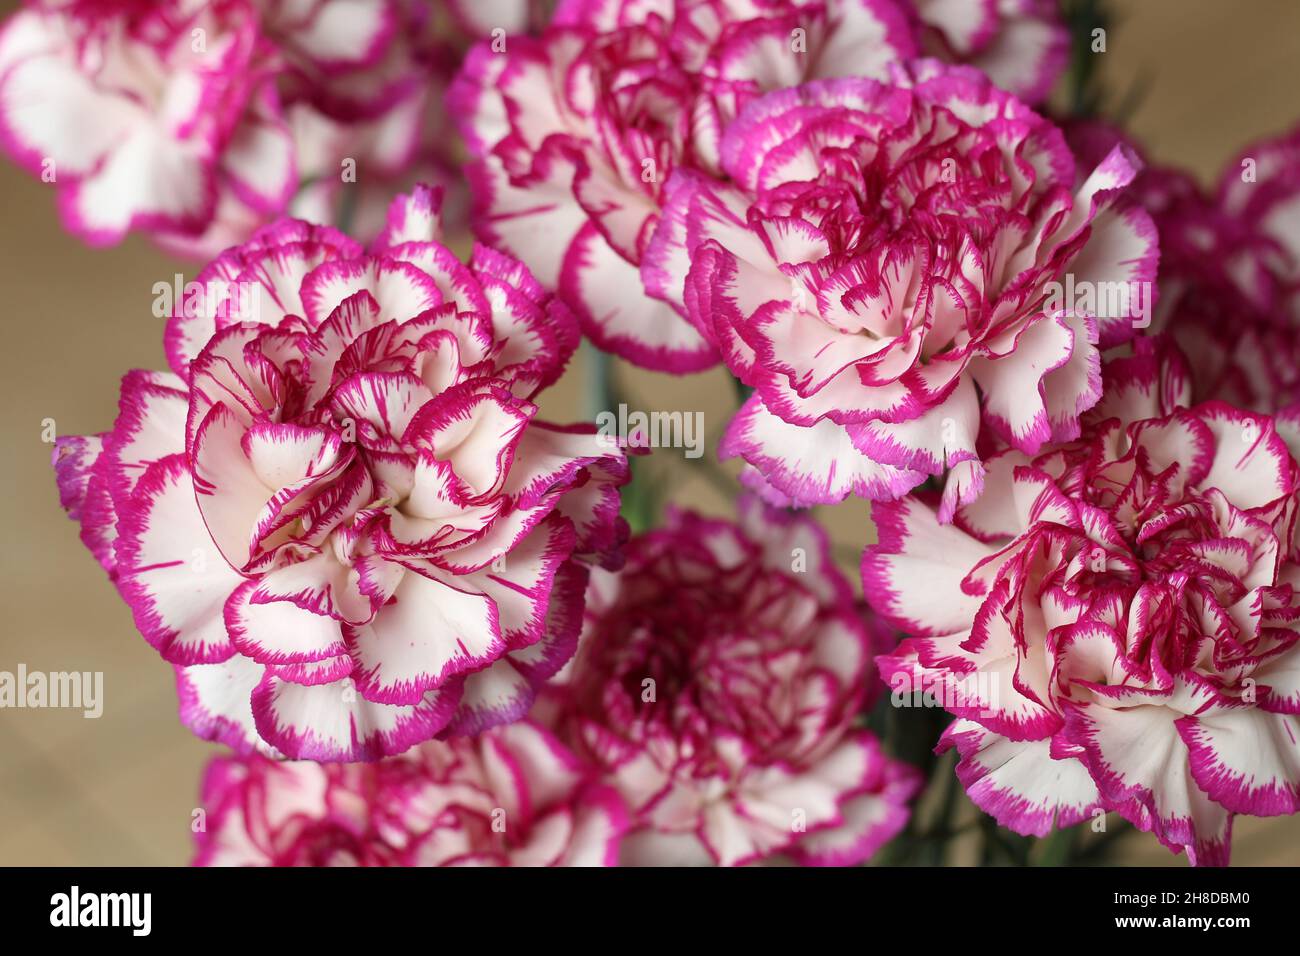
x=121, y=789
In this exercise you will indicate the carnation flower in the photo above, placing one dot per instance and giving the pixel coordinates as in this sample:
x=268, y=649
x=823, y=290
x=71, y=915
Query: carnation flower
x=196, y=121
x=512, y=796
x=378, y=113
x=891, y=265
x=362, y=85
x=1021, y=45
x=576, y=131
x=1230, y=268
x=1114, y=622
x=338, y=515
x=145, y=115
x=717, y=683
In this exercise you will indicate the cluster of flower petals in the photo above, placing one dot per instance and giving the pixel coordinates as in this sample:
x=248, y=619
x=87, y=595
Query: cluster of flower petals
x=890, y=266
x=576, y=131
x=338, y=515
x=512, y=796
x=196, y=121
x=1230, y=267
x=1115, y=623
x=717, y=685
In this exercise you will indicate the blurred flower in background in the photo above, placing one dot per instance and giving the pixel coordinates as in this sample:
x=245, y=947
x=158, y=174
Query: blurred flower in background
x=197, y=121
x=717, y=686
x=508, y=797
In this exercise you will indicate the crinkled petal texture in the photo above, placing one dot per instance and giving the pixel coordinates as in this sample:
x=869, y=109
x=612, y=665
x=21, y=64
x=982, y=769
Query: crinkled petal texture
x=717, y=683
x=1115, y=623
x=339, y=516
x=1230, y=268
x=891, y=265
x=196, y=121
x=1022, y=45
x=146, y=116
x=575, y=132
x=512, y=796
x=364, y=82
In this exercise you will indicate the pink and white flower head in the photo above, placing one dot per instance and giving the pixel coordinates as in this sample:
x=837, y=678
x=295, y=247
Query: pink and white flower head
x=362, y=83
x=1021, y=45
x=512, y=796
x=378, y=69
x=717, y=683
x=338, y=515
x=196, y=121
x=1114, y=623
x=576, y=131
x=145, y=116
x=1230, y=269
x=888, y=267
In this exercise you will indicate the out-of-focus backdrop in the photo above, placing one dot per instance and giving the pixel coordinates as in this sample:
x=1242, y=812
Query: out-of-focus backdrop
x=122, y=789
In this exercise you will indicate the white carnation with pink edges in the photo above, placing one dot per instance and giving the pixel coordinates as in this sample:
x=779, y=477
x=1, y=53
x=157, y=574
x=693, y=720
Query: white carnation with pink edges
x=885, y=265
x=338, y=516
x=1114, y=623
x=197, y=121
x=512, y=796
x=716, y=687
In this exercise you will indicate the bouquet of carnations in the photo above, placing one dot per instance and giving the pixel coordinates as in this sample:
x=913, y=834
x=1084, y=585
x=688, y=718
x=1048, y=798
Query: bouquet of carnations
x=427, y=626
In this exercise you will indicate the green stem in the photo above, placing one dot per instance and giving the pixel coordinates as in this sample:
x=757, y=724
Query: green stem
x=743, y=391
x=1083, y=17
x=599, y=394
x=941, y=829
x=640, y=500
x=1013, y=847
x=347, y=208
x=1058, y=848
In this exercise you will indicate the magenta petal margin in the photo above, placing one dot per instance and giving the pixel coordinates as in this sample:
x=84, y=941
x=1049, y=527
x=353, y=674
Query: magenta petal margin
x=716, y=685
x=879, y=266
x=1114, y=623
x=196, y=121
x=338, y=516
x=512, y=796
